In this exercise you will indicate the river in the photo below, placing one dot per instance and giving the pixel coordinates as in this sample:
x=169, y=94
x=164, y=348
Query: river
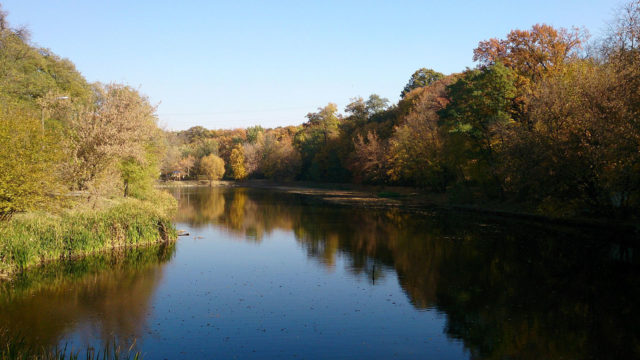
x=267, y=274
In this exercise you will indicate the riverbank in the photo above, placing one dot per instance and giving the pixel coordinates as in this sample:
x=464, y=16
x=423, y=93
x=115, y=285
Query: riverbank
x=36, y=238
x=412, y=199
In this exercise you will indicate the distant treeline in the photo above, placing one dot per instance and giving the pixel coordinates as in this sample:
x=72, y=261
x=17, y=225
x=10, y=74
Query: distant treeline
x=546, y=119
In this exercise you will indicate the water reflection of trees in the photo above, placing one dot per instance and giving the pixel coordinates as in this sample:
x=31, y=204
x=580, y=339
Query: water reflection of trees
x=109, y=293
x=508, y=290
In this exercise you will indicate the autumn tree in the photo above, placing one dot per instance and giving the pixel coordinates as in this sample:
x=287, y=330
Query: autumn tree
x=416, y=148
x=186, y=164
x=213, y=167
x=28, y=73
x=368, y=161
x=326, y=120
x=577, y=153
x=238, y=171
x=281, y=160
x=29, y=163
x=622, y=50
x=252, y=159
x=533, y=52
x=119, y=125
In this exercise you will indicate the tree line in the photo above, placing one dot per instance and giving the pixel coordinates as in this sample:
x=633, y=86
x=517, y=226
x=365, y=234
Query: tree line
x=62, y=137
x=547, y=119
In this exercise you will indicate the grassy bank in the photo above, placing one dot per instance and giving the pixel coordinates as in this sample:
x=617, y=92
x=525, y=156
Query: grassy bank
x=35, y=238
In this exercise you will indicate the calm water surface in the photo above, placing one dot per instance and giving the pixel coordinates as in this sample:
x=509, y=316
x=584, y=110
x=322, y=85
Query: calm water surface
x=266, y=274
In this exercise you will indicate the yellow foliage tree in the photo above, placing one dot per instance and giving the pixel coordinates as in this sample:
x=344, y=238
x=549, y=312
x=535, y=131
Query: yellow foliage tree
x=213, y=167
x=237, y=163
x=28, y=161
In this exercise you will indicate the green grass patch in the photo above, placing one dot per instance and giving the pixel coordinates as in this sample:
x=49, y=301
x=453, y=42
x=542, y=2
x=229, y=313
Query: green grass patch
x=35, y=238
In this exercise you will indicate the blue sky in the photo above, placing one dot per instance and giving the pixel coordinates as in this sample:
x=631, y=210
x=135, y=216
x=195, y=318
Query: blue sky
x=241, y=63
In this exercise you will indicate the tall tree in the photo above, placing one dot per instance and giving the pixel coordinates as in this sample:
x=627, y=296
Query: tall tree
x=119, y=125
x=481, y=107
x=369, y=159
x=238, y=171
x=376, y=104
x=29, y=162
x=416, y=146
x=314, y=139
x=421, y=77
x=213, y=167
x=533, y=52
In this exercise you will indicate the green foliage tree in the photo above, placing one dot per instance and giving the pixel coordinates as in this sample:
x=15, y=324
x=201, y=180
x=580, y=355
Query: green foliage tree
x=253, y=133
x=28, y=73
x=421, y=77
x=139, y=174
x=376, y=104
x=480, y=109
x=313, y=141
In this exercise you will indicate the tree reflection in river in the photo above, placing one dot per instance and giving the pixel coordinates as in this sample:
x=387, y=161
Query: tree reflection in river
x=508, y=289
x=101, y=296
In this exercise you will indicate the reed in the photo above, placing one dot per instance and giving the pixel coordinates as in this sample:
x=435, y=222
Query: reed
x=16, y=348
x=34, y=238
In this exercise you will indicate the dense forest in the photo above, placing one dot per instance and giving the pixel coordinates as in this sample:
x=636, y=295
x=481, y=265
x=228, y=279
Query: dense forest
x=548, y=119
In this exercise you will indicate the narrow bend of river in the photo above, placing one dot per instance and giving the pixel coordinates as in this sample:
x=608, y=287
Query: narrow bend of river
x=266, y=274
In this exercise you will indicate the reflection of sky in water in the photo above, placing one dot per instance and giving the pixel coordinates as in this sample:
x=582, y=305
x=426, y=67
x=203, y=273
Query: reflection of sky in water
x=269, y=298
x=266, y=274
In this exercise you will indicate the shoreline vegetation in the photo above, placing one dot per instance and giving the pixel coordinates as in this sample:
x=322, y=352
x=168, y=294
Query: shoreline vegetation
x=36, y=238
x=78, y=161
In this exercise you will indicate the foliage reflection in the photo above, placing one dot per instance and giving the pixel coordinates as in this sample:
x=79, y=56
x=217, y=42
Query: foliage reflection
x=508, y=289
x=109, y=293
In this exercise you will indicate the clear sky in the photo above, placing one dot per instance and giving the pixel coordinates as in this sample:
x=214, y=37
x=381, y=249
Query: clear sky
x=228, y=64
